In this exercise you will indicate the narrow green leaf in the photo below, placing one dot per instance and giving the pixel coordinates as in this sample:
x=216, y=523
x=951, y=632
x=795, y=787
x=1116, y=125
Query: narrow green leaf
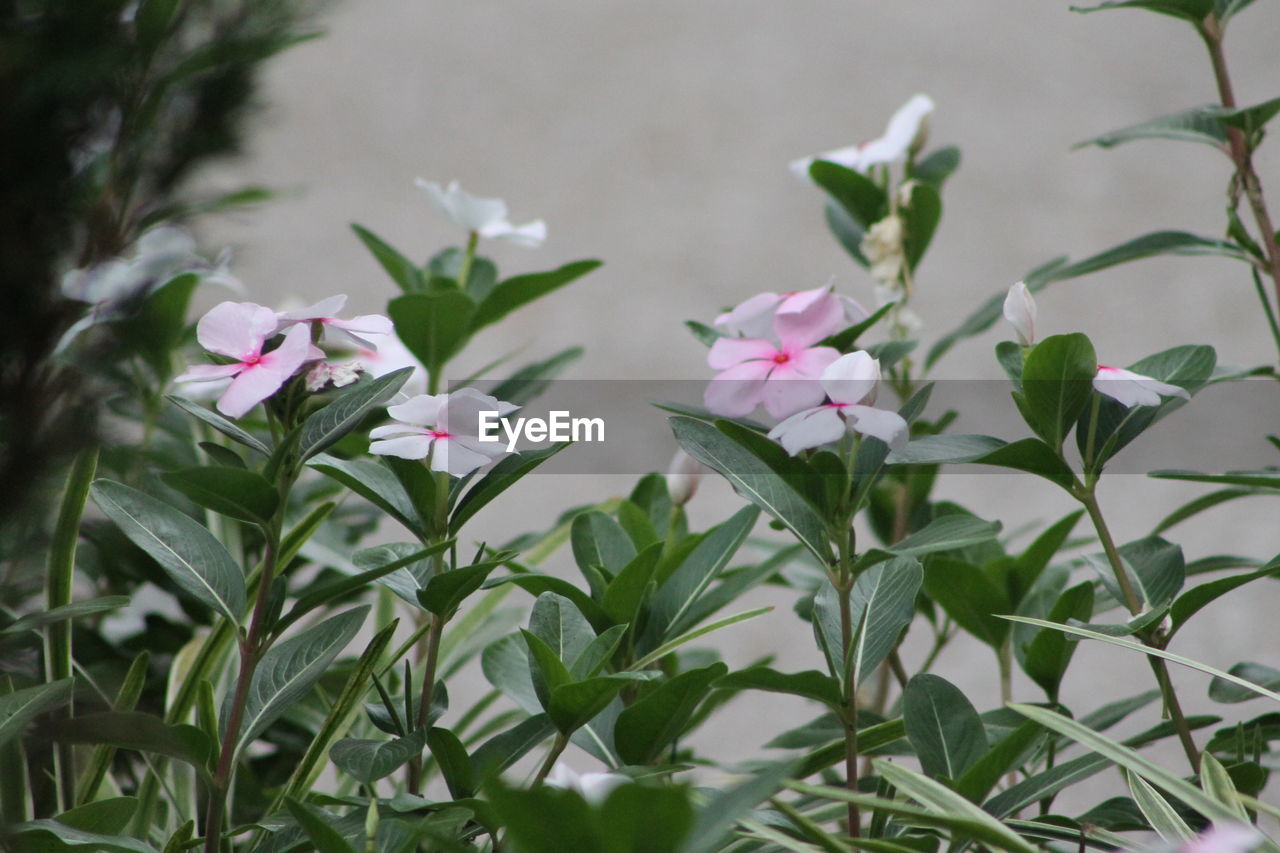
x=520, y=290
x=325, y=427
x=66, y=613
x=651, y=724
x=455, y=764
x=809, y=684
x=1199, y=124
x=529, y=382
x=234, y=492
x=20, y=707
x=1171, y=828
x=373, y=482
x=402, y=271
x=689, y=636
x=318, y=826
x=1195, y=599
x=1253, y=673
x=497, y=480
x=220, y=423
x=1188, y=10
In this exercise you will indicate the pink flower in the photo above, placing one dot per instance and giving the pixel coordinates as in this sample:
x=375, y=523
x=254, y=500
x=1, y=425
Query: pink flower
x=347, y=332
x=239, y=330
x=782, y=375
x=819, y=308
x=1224, y=838
x=1134, y=389
x=848, y=381
x=445, y=427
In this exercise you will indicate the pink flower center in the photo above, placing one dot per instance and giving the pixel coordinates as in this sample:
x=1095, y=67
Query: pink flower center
x=252, y=360
x=781, y=358
x=439, y=434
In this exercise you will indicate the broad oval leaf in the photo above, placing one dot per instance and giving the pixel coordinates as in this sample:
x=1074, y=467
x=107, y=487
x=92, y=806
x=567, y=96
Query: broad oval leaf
x=943, y=726
x=234, y=492
x=189, y=554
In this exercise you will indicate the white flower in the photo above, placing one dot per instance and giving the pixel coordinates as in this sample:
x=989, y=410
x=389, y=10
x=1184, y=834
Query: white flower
x=683, y=476
x=390, y=354
x=355, y=332
x=1020, y=311
x=906, y=132
x=595, y=788
x=851, y=383
x=445, y=427
x=484, y=216
x=1134, y=389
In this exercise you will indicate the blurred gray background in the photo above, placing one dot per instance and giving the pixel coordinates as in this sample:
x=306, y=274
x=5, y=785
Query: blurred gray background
x=656, y=136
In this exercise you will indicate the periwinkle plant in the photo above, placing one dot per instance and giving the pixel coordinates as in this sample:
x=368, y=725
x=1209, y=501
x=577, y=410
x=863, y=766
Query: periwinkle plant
x=301, y=687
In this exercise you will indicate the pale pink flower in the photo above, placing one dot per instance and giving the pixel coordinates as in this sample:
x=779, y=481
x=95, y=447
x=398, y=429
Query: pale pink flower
x=851, y=383
x=820, y=307
x=486, y=217
x=595, y=788
x=906, y=131
x=445, y=427
x=354, y=332
x=390, y=354
x=1224, y=838
x=782, y=373
x=239, y=330
x=1134, y=389
x=1020, y=311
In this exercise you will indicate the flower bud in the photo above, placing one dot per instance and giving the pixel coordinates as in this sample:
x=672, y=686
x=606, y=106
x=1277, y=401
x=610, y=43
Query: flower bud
x=1020, y=311
x=683, y=476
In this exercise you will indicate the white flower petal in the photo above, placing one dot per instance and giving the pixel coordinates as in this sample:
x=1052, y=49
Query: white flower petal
x=851, y=378
x=889, y=427
x=1134, y=389
x=808, y=429
x=1020, y=311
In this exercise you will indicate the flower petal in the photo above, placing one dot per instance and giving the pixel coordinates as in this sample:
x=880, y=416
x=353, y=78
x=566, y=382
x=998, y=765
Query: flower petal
x=1134, y=389
x=236, y=329
x=737, y=391
x=405, y=446
x=752, y=318
x=454, y=457
x=889, y=427
x=208, y=372
x=850, y=378
x=784, y=396
x=808, y=363
x=808, y=429
x=422, y=410
x=531, y=235
x=727, y=352
x=904, y=128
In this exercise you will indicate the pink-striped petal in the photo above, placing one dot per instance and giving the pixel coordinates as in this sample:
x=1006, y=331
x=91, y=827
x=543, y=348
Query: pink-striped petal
x=236, y=329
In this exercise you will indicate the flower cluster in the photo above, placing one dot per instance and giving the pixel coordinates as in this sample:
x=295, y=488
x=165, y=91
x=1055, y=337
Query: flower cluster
x=240, y=333
x=771, y=355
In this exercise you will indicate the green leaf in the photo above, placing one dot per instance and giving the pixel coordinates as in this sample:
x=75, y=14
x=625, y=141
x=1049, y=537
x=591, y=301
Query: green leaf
x=528, y=383
x=481, y=278
x=455, y=764
x=446, y=591
x=856, y=194
x=501, y=477
x=846, y=339
x=1047, y=655
x=1127, y=758
x=402, y=270
x=220, y=423
x=572, y=706
x=1154, y=652
x=1057, y=378
x=234, y=492
x=520, y=290
x=674, y=605
x=704, y=334
x=754, y=480
x=319, y=827
x=715, y=819
x=189, y=554
x=882, y=604
x=1251, y=119
x=937, y=166
x=1200, y=124
x=291, y=667
x=1029, y=454
x=689, y=636
x=965, y=592
x=943, y=726
x=68, y=836
x=1263, y=478
x=151, y=22
x=502, y=750
x=1159, y=566
x=1198, y=505
x=65, y=612
x=809, y=684
x=600, y=542
x=138, y=731
x=20, y=707
x=1171, y=828
x=944, y=533
x=626, y=593
x=1004, y=756
x=373, y=482
x=1196, y=598
x=658, y=718
x=536, y=584
x=1194, y=11
x=1256, y=673
x=434, y=326
x=1217, y=783
x=325, y=427
x=598, y=653
x=920, y=219
x=557, y=621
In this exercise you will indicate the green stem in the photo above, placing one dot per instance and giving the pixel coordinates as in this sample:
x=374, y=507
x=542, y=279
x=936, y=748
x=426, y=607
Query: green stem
x=1266, y=307
x=1239, y=149
x=1153, y=639
x=252, y=647
x=60, y=575
x=557, y=748
x=464, y=273
x=849, y=713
